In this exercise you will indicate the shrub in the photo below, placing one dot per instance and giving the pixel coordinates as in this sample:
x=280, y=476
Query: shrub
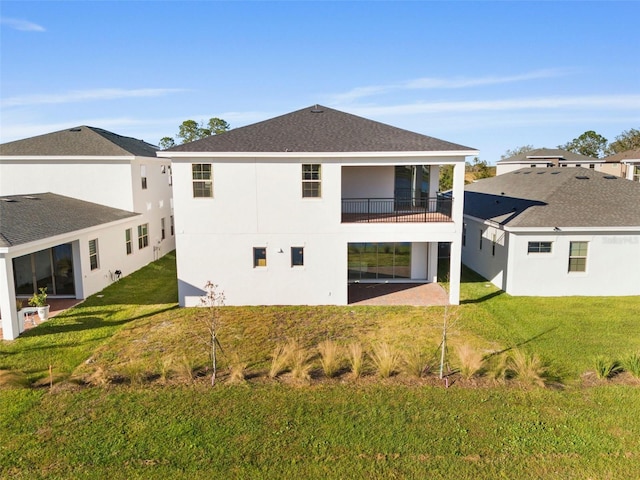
x=631, y=364
x=415, y=363
x=385, y=359
x=606, y=368
x=470, y=360
x=134, y=372
x=356, y=359
x=237, y=370
x=329, y=357
x=526, y=367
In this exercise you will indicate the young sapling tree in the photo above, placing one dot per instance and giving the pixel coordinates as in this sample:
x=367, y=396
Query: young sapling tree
x=213, y=299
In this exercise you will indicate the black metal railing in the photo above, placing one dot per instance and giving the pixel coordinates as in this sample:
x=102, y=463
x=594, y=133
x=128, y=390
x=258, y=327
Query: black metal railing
x=393, y=210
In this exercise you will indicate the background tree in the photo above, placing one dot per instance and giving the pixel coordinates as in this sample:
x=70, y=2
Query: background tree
x=480, y=169
x=190, y=130
x=516, y=151
x=589, y=143
x=627, y=140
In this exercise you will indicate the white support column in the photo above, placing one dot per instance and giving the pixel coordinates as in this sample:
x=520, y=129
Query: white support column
x=10, y=325
x=455, y=265
x=432, y=274
x=434, y=184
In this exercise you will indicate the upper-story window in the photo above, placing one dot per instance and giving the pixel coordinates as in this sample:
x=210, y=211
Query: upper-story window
x=143, y=176
x=311, y=180
x=202, y=180
x=539, y=247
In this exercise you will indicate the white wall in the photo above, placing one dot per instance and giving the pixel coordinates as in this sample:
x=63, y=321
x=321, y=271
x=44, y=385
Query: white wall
x=613, y=263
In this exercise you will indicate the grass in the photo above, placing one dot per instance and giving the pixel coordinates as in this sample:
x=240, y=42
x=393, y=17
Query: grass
x=165, y=421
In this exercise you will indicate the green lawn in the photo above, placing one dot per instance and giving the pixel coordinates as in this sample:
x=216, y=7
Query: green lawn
x=157, y=427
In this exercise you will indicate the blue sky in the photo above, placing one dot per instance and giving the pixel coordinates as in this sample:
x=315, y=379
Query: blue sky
x=488, y=75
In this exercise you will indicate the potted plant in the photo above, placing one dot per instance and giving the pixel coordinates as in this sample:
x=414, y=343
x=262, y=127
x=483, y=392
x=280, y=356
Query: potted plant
x=39, y=300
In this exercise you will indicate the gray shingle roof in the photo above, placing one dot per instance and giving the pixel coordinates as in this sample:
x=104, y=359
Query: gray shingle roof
x=79, y=141
x=27, y=218
x=548, y=153
x=619, y=157
x=318, y=129
x=549, y=197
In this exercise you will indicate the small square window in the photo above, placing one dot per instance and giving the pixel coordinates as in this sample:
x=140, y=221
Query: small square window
x=259, y=257
x=297, y=256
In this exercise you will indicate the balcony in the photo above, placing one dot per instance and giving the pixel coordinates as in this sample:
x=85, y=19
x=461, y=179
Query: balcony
x=396, y=210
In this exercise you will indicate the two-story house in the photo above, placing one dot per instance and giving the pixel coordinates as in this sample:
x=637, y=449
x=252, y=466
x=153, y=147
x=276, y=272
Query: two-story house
x=48, y=183
x=293, y=209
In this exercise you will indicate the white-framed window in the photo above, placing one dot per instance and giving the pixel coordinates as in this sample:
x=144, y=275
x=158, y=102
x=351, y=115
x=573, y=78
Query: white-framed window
x=311, y=180
x=202, y=176
x=480, y=243
x=143, y=176
x=539, y=247
x=636, y=173
x=143, y=236
x=259, y=257
x=171, y=226
x=578, y=256
x=297, y=256
x=162, y=229
x=128, y=241
x=93, y=254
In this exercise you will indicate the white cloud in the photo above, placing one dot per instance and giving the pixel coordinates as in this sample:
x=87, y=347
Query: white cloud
x=603, y=102
x=428, y=83
x=22, y=25
x=86, y=96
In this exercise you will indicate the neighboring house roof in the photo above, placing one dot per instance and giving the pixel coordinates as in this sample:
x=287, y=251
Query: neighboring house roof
x=620, y=157
x=28, y=218
x=79, y=141
x=540, y=154
x=318, y=129
x=555, y=197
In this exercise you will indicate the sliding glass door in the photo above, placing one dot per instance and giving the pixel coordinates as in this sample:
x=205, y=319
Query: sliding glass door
x=379, y=261
x=51, y=268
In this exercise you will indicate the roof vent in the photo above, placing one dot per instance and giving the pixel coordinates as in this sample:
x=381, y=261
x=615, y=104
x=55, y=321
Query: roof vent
x=75, y=130
x=555, y=173
x=317, y=109
x=526, y=173
x=610, y=177
x=8, y=200
x=31, y=197
x=582, y=177
x=540, y=173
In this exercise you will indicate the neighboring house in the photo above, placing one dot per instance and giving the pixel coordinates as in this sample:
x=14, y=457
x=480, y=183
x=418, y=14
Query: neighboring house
x=101, y=167
x=554, y=232
x=72, y=247
x=624, y=164
x=547, y=157
x=292, y=209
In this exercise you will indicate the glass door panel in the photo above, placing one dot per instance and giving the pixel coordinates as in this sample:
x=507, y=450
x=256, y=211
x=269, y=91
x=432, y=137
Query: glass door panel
x=23, y=274
x=63, y=269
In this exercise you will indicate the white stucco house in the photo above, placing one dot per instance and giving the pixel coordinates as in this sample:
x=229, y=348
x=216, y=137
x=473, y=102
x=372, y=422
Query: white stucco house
x=545, y=158
x=292, y=209
x=93, y=167
x=625, y=164
x=554, y=232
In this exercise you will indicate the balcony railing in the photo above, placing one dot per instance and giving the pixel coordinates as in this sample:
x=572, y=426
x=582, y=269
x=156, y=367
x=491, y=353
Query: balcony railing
x=396, y=210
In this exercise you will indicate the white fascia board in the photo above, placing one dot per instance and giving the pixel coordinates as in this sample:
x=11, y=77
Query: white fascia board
x=488, y=222
x=187, y=155
x=75, y=158
x=571, y=229
x=42, y=243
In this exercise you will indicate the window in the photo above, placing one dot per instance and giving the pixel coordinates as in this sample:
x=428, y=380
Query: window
x=464, y=235
x=93, y=254
x=578, y=256
x=128, y=242
x=311, y=180
x=636, y=173
x=202, y=180
x=297, y=256
x=481, y=232
x=143, y=176
x=162, y=230
x=592, y=165
x=171, y=225
x=259, y=257
x=493, y=245
x=539, y=247
x=163, y=169
x=170, y=176
x=143, y=236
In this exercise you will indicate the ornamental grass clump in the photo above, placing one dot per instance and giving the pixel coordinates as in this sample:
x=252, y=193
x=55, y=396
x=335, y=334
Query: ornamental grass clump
x=470, y=360
x=300, y=362
x=631, y=364
x=279, y=361
x=606, y=368
x=385, y=359
x=330, y=357
x=527, y=368
x=355, y=355
x=237, y=370
x=414, y=363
